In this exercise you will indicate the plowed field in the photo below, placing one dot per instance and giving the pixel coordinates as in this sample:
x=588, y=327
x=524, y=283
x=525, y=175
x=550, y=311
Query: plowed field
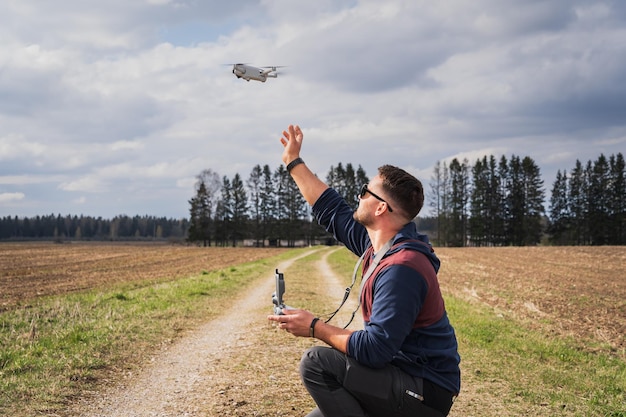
x=580, y=290
x=569, y=291
x=30, y=270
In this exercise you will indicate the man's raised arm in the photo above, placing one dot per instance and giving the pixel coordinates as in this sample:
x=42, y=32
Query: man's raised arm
x=310, y=186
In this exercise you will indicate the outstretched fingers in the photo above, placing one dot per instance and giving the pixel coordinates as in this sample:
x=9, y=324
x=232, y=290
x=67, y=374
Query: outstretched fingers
x=292, y=143
x=292, y=132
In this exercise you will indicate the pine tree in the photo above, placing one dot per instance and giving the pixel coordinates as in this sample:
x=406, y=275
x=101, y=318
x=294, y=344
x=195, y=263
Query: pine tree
x=560, y=217
x=292, y=207
x=504, y=208
x=533, y=201
x=268, y=206
x=459, y=199
x=525, y=202
x=479, y=204
x=239, y=210
x=202, y=206
x=347, y=182
x=497, y=204
x=617, y=200
x=351, y=187
x=486, y=219
x=224, y=213
x=361, y=179
x=435, y=198
x=598, y=201
x=577, y=201
x=254, y=184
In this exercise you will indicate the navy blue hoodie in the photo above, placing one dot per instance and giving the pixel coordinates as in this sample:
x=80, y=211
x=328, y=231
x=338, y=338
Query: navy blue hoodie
x=405, y=322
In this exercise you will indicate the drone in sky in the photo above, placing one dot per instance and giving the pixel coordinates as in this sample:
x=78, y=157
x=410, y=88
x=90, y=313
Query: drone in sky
x=248, y=72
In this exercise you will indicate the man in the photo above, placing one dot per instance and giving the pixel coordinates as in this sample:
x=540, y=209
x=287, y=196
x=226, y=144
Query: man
x=405, y=361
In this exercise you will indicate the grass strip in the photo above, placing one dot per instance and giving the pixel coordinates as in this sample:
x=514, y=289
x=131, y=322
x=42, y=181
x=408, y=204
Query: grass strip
x=58, y=346
x=533, y=371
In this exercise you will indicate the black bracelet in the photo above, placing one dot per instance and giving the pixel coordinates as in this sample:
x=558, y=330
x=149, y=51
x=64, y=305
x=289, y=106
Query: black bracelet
x=312, y=327
x=293, y=163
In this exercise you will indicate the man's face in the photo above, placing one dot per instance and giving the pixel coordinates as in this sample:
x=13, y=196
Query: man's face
x=364, y=213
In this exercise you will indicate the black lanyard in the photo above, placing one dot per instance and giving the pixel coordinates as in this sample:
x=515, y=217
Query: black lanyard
x=370, y=270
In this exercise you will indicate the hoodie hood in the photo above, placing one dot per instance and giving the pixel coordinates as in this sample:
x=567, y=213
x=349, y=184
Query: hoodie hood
x=409, y=238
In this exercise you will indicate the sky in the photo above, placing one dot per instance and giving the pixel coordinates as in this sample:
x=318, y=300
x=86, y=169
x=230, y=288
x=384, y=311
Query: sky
x=113, y=108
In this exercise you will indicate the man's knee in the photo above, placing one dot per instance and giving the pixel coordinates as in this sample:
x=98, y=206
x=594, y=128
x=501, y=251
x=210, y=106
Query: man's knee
x=311, y=360
x=322, y=364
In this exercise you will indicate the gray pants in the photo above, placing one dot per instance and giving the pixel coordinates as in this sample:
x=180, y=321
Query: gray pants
x=341, y=387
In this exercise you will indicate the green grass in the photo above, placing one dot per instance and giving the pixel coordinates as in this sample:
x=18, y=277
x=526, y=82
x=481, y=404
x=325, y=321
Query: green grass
x=56, y=346
x=558, y=375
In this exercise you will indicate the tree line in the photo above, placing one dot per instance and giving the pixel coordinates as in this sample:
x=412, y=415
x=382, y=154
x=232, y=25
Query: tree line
x=494, y=202
x=121, y=227
x=268, y=209
x=588, y=206
x=501, y=203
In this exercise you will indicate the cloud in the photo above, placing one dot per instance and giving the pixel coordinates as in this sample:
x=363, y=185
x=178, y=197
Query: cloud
x=134, y=99
x=9, y=197
x=80, y=200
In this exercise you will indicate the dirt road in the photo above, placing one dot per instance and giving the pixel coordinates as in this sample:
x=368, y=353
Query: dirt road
x=187, y=379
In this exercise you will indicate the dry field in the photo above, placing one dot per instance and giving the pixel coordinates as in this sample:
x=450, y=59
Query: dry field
x=580, y=291
x=30, y=270
x=567, y=291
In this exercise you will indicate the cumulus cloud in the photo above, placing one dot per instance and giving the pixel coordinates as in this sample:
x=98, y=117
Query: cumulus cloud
x=8, y=197
x=133, y=99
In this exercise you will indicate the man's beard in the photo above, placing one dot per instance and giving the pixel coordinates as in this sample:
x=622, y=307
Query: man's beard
x=363, y=217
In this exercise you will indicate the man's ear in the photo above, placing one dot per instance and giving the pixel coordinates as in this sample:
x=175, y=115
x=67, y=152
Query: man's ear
x=381, y=208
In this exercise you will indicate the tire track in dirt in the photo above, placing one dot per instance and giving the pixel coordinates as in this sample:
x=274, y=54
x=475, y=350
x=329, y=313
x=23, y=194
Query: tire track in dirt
x=176, y=382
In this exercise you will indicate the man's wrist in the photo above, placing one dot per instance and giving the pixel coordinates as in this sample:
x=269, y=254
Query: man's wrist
x=312, y=327
x=294, y=163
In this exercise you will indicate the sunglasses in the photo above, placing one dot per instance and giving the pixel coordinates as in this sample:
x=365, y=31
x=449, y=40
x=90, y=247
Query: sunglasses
x=365, y=190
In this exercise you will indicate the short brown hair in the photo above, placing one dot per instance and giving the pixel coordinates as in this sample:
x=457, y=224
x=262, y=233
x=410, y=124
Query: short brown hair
x=404, y=188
